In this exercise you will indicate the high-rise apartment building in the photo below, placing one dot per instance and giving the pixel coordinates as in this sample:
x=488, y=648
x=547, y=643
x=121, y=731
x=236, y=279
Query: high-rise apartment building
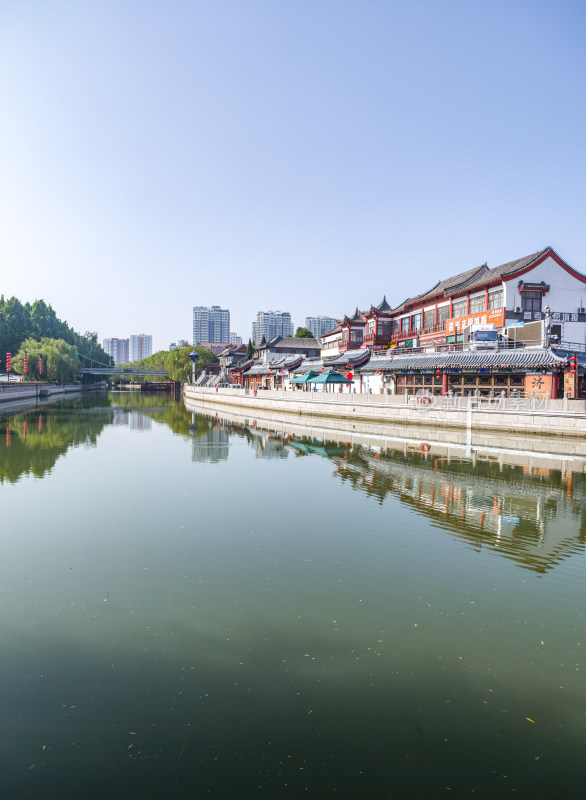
x=271, y=323
x=320, y=325
x=141, y=346
x=211, y=324
x=234, y=338
x=118, y=349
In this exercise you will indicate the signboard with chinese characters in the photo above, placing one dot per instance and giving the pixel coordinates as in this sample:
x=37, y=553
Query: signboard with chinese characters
x=494, y=316
x=555, y=316
x=570, y=385
x=537, y=384
x=432, y=338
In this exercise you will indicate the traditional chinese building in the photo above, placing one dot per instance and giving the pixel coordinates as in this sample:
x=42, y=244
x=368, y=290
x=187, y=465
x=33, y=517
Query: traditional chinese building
x=352, y=329
x=519, y=372
x=540, y=286
x=377, y=334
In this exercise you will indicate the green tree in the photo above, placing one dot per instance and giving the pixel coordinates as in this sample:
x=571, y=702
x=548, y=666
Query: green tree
x=179, y=364
x=39, y=321
x=16, y=325
x=60, y=360
x=303, y=333
x=263, y=341
x=249, y=350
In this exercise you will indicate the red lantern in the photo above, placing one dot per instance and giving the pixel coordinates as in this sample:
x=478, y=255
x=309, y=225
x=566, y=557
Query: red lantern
x=25, y=368
x=8, y=362
x=40, y=365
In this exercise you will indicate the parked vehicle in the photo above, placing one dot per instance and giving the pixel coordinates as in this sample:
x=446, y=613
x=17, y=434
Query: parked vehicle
x=480, y=337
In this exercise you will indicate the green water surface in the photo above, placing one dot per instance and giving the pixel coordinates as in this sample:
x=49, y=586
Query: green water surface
x=193, y=608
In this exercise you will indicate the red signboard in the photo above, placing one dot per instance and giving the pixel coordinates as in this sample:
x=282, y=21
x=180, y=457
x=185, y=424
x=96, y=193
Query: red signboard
x=494, y=316
x=432, y=338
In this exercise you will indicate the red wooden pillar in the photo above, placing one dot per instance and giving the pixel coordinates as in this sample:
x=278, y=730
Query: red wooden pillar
x=554, y=385
x=444, y=384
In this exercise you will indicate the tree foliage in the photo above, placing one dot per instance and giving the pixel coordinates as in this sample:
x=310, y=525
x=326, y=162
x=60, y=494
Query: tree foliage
x=177, y=362
x=249, y=350
x=303, y=333
x=60, y=361
x=38, y=321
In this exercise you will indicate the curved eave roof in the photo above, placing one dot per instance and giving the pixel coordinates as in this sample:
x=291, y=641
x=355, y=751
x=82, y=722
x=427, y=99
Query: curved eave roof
x=308, y=366
x=501, y=359
x=353, y=358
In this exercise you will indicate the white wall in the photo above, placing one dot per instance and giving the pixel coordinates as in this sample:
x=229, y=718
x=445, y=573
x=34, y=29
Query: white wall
x=566, y=294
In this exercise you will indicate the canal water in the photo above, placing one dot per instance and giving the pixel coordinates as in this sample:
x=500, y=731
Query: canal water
x=194, y=605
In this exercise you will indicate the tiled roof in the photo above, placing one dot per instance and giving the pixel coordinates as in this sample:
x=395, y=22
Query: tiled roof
x=472, y=278
x=245, y=365
x=356, y=317
x=382, y=308
x=520, y=358
x=349, y=358
x=499, y=273
x=447, y=286
x=315, y=364
x=293, y=342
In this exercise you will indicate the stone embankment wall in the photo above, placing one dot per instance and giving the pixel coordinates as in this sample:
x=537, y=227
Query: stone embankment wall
x=544, y=417
x=12, y=393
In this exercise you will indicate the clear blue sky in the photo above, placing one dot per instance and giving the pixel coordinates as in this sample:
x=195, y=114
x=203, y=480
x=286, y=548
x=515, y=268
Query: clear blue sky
x=302, y=155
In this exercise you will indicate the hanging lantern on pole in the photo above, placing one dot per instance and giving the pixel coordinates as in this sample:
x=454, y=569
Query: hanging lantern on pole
x=8, y=362
x=573, y=361
x=40, y=365
x=25, y=367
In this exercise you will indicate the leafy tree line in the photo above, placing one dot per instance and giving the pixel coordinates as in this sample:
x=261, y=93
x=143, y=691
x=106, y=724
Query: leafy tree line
x=177, y=362
x=21, y=323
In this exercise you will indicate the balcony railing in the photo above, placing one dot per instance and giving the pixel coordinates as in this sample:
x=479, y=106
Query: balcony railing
x=353, y=345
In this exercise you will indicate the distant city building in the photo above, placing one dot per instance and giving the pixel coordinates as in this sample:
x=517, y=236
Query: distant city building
x=141, y=346
x=234, y=338
x=118, y=349
x=178, y=343
x=270, y=324
x=211, y=324
x=320, y=325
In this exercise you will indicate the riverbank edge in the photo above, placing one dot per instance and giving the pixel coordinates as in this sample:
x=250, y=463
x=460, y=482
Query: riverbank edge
x=549, y=423
x=43, y=392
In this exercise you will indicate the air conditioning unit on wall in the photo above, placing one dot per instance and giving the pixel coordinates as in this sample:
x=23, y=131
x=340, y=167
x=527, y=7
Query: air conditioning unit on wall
x=582, y=311
x=517, y=309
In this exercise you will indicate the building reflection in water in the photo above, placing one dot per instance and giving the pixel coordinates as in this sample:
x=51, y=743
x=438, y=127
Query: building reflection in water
x=210, y=443
x=133, y=418
x=498, y=502
x=536, y=517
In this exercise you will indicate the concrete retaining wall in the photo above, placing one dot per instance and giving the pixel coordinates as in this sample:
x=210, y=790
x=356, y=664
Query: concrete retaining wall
x=365, y=407
x=17, y=391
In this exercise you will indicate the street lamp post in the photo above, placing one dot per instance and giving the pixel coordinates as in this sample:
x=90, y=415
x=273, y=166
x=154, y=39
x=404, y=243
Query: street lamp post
x=547, y=324
x=193, y=356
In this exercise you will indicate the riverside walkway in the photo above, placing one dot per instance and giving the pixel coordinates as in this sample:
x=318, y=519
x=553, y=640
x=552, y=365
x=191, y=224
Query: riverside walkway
x=529, y=415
